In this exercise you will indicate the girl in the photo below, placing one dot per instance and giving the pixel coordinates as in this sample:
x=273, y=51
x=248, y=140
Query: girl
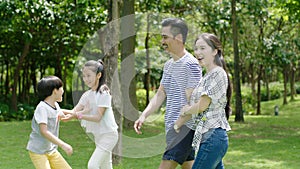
x=209, y=105
x=43, y=141
x=96, y=115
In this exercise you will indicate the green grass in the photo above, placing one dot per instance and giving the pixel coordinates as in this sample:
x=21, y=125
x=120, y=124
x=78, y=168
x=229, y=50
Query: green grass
x=264, y=141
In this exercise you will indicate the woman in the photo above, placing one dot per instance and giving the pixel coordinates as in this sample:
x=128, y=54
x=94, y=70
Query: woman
x=210, y=105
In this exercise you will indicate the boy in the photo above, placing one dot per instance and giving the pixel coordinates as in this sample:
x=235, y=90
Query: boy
x=44, y=141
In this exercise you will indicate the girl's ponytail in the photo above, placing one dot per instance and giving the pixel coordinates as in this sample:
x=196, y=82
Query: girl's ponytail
x=102, y=83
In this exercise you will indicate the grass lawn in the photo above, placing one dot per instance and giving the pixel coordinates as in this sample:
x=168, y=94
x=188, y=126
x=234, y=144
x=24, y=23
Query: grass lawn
x=264, y=141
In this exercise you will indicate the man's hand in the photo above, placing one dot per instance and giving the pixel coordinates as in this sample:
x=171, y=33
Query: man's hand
x=138, y=124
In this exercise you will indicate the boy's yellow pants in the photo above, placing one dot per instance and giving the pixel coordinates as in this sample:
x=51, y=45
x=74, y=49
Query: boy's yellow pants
x=49, y=161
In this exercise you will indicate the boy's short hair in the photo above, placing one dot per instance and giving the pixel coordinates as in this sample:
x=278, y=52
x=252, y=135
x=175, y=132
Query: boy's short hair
x=46, y=86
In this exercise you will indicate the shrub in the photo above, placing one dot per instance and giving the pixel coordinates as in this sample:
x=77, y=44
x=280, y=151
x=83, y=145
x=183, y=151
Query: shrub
x=25, y=112
x=276, y=90
x=4, y=112
x=141, y=98
x=248, y=101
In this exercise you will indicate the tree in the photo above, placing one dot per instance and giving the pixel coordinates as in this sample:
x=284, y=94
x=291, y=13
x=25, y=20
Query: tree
x=111, y=52
x=238, y=98
x=128, y=82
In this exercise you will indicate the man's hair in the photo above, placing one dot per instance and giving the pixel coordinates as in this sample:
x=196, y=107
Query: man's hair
x=178, y=26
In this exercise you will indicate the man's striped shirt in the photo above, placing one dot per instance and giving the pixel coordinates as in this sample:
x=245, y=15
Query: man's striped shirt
x=178, y=76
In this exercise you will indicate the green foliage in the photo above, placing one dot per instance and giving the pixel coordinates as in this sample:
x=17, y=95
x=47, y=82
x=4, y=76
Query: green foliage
x=25, y=112
x=141, y=98
x=249, y=101
x=276, y=91
x=4, y=112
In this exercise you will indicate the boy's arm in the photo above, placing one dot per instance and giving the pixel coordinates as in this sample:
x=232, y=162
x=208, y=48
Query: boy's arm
x=71, y=114
x=55, y=140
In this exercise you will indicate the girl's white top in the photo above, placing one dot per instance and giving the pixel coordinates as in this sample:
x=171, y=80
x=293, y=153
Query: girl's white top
x=95, y=100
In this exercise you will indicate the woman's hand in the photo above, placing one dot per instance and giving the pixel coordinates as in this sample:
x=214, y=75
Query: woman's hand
x=185, y=109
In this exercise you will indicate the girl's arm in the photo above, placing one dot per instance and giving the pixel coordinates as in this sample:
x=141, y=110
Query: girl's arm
x=71, y=114
x=77, y=108
x=66, y=111
x=94, y=117
x=55, y=140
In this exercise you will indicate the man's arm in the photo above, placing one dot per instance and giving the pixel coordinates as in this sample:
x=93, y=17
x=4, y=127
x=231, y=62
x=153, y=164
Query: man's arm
x=183, y=119
x=154, y=105
x=188, y=93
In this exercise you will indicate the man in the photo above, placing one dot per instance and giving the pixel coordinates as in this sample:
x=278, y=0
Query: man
x=180, y=76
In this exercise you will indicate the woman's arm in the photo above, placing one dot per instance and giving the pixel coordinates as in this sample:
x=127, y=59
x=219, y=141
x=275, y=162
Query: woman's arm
x=187, y=111
x=181, y=121
x=198, y=107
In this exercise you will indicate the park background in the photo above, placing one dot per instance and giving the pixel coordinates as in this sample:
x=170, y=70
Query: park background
x=261, y=47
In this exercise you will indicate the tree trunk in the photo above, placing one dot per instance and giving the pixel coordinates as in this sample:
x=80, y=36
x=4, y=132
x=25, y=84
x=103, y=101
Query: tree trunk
x=239, y=117
x=33, y=76
x=258, y=112
x=58, y=67
x=267, y=79
x=14, y=100
x=128, y=82
x=7, y=88
x=292, y=82
x=285, y=80
x=147, y=75
x=1, y=80
x=64, y=78
x=252, y=79
x=110, y=47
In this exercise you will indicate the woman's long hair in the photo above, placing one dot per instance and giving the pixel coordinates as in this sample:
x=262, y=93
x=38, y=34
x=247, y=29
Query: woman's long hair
x=213, y=41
